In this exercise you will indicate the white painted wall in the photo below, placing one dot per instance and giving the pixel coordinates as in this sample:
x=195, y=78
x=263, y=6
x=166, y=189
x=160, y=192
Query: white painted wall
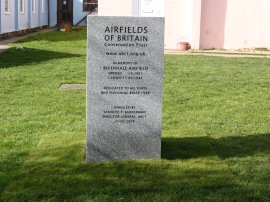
x=131, y=7
x=37, y=19
x=0, y=16
x=178, y=16
x=178, y=22
x=8, y=20
x=53, y=13
x=44, y=16
x=34, y=16
x=78, y=13
x=151, y=8
x=23, y=17
x=115, y=7
x=196, y=24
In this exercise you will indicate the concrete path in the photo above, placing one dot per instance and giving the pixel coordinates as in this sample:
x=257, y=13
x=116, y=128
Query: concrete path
x=223, y=53
x=4, y=44
x=3, y=48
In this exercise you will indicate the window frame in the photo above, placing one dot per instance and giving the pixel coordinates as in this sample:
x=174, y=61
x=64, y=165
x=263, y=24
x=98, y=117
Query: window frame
x=85, y=2
x=33, y=6
x=8, y=11
x=42, y=6
x=22, y=6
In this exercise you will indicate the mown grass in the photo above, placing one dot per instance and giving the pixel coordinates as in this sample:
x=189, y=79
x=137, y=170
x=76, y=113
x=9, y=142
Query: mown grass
x=216, y=131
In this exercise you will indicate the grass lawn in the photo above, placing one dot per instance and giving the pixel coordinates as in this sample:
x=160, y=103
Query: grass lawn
x=216, y=130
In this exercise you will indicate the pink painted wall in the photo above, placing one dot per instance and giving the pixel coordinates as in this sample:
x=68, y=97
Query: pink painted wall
x=213, y=17
x=247, y=24
x=206, y=24
x=232, y=24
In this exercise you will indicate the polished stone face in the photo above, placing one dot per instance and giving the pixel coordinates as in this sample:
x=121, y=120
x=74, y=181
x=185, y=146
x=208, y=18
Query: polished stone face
x=124, y=88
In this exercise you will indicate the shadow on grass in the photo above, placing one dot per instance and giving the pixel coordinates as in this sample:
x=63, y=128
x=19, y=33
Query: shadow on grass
x=19, y=57
x=58, y=175
x=225, y=147
x=57, y=172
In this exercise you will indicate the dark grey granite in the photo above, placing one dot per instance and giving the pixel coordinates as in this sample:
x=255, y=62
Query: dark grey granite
x=124, y=88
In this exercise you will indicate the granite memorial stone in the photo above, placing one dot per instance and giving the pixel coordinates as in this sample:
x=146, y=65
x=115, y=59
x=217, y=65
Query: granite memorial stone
x=124, y=88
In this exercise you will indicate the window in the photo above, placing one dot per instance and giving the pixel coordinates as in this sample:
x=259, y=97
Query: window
x=7, y=6
x=147, y=6
x=33, y=6
x=42, y=6
x=21, y=6
x=90, y=5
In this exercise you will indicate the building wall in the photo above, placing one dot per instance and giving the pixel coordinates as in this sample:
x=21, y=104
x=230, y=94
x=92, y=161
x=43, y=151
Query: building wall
x=196, y=24
x=43, y=20
x=213, y=18
x=129, y=8
x=115, y=7
x=151, y=8
x=178, y=16
x=34, y=16
x=178, y=22
x=0, y=16
x=53, y=13
x=78, y=12
x=234, y=24
x=247, y=24
x=8, y=20
x=205, y=24
x=16, y=21
x=23, y=17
